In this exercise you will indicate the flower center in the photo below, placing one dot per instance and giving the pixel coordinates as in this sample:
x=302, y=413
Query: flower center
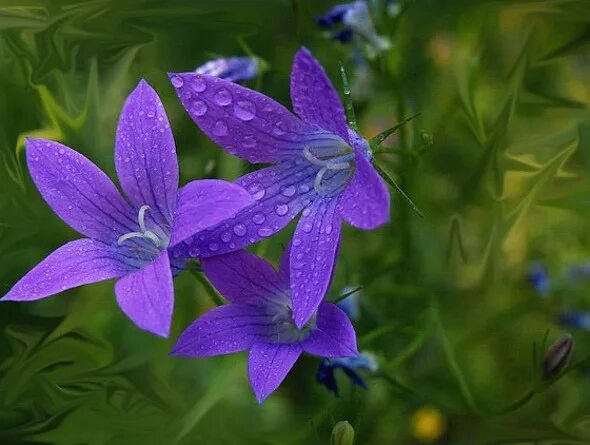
x=285, y=330
x=159, y=241
x=336, y=167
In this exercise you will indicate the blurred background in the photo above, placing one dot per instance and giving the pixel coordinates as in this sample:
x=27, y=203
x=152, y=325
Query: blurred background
x=458, y=308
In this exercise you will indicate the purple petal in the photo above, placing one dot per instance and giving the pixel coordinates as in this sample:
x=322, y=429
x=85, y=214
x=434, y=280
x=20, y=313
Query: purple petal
x=78, y=191
x=146, y=296
x=313, y=255
x=333, y=335
x=244, y=278
x=314, y=97
x=268, y=365
x=242, y=121
x=365, y=201
x=76, y=263
x=223, y=330
x=202, y=204
x=145, y=154
x=281, y=192
x=285, y=265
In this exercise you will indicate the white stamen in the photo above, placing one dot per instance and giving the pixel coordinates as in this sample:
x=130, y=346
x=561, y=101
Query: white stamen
x=145, y=233
x=141, y=217
x=341, y=162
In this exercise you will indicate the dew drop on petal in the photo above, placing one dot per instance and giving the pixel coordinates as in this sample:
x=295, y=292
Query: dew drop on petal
x=225, y=237
x=198, y=107
x=259, y=194
x=244, y=110
x=288, y=191
x=265, y=231
x=249, y=142
x=199, y=84
x=240, y=229
x=220, y=128
x=61, y=151
x=258, y=218
x=329, y=229
x=306, y=212
x=307, y=227
x=282, y=209
x=279, y=128
x=213, y=247
x=222, y=97
x=177, y=81
x=151, y=114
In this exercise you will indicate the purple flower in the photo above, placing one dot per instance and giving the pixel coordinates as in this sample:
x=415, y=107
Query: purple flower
x=539, y=278
x=322, y=168
x=259, y=319
x=234, y=69
x=126, y=239
x=349, y=20
x=350, y=366
x=576, y=319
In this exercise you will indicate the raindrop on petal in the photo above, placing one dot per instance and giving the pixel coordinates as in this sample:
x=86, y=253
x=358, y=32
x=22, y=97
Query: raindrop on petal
x=223, y=97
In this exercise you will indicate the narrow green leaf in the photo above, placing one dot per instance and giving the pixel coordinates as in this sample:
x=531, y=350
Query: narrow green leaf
x=393, y=184
x=350, y=116
x=208, y=287
x=374, y=142
x=347, y=294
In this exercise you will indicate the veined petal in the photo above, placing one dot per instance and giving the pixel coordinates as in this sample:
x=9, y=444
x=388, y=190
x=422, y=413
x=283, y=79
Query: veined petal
x=223, y=330
x=76, y=263
x=365, y=201
x=280, y=192
x=314, y=97
x=244, y=278
x=333, y=335
x=204, y=203
x=78, y=191
x=146, y=296
x=145, y=154
x=268, y=365
x=285, y=266
x=313, y=255
x=242, y=121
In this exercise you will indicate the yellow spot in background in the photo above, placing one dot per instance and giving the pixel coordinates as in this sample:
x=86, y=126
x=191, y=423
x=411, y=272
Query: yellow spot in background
x=427, y=424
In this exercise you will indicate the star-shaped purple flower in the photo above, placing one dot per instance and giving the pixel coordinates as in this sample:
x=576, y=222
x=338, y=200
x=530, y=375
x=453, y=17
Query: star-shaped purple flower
x=323, y=169
x=259, y=319
x=129, y=240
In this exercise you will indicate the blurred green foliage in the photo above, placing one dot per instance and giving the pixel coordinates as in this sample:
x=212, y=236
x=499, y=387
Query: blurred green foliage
x=498, y=161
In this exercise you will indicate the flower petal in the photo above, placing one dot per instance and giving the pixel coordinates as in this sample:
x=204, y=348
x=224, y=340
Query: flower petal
x=280, y=192
x=365, y=201
x=333, y=335
x=268, y=365
x=313, y=255
x=78, y=191
x=204, y=203
x=146, y=296
x=314, y=97
x=76, y=263
x=285, y=265
x=145, y=154
x=243, y=277
x=223, y=330
x=242, y=121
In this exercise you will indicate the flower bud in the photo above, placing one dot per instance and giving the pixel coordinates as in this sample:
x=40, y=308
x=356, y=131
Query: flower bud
x=342, y=434
x=557, y=357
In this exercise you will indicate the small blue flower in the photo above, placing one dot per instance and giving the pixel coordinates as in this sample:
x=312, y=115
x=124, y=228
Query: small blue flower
x=539, y=278
x=234, y=69
x=576, y=319
x=579, y=272
x=350, y=366
x=350, y=20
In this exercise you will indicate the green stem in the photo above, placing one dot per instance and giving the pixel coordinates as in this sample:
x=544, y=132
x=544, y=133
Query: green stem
x=217, y=300
x=347, y=294
x=393, y=184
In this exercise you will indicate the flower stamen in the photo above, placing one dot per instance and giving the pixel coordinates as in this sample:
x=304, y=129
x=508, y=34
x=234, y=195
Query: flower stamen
x=145, y=233
x=332, y=163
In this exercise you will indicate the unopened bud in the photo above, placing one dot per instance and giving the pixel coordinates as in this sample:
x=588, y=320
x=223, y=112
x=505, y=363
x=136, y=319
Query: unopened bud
x=557, y=357
x=342, y=434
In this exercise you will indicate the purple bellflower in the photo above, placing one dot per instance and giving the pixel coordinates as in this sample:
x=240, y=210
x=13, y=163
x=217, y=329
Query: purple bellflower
x=352, y=20
x=234, y=69
x=126, y=239
x=258, y=319
x=322, y=169
x=351, y=366
x=538, y=277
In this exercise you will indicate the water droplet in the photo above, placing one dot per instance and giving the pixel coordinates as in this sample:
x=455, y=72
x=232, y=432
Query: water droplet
x=249, y=142
x=245, y=110
x=61, y=151
x=193, y=251
x=282, y=209
x=299, y=256
x=199, y=84
x=279, y=128
x=306, y=212
x=177, y=81
x=296, y=242
x=258, y=218
x=307, y=227
x=213, y=247
x=220, y=128
x=223, y=97
x=329, y=229
x=225, y=237
x=259, y=194
x=199, y=107
x=288, y=191
x=151, y=114
x=240, y=229
x=265, y=231
x=304, y=188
